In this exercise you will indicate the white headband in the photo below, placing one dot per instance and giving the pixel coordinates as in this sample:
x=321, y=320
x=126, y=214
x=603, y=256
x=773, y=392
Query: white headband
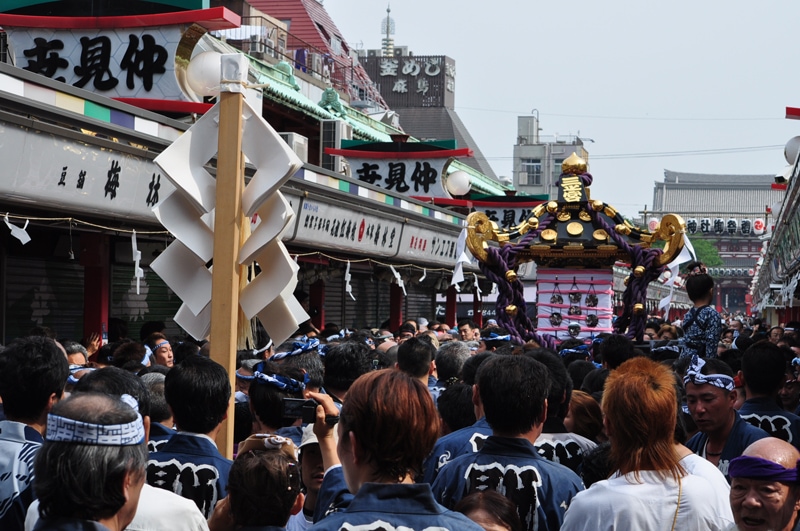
x=62, y=429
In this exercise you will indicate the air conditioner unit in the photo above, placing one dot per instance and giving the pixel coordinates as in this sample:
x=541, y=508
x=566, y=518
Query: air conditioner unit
x=332, y=132
x=315, y=63
x=256, y=45
x=298, y=143
x=270, y=48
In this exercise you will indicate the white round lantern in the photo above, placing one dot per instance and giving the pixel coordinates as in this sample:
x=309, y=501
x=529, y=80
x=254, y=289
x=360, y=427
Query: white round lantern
x=458, y=183
x=204, y=73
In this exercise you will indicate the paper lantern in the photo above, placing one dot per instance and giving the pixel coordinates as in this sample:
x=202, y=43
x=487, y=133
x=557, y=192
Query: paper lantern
x=746, y=227
x=458, y=183
x=759, y=226
x=204, y=73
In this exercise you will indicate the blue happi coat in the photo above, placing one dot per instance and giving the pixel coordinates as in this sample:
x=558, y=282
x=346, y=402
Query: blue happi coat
x=190, y=466
x=541, y=490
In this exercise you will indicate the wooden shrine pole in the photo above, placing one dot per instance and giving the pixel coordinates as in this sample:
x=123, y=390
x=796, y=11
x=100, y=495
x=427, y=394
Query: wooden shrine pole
x=227, y=219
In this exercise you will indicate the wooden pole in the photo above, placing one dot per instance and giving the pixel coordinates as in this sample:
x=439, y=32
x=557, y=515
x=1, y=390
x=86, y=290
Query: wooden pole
x=225, y=273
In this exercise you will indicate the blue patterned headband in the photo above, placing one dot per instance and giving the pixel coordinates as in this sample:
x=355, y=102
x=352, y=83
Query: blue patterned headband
x=693, y=374
x=284, y=383
x=62, y=429
x=583, y=350
x=303, y=345
x=494, y=337
x=245, y=377
x=147, y=353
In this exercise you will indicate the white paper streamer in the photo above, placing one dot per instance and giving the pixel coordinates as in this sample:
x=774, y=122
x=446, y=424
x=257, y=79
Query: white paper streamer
x=424, y=274
x=138, y=273
x=19, y=232
x=347, y=287
x=477, y=285
x=398, y=279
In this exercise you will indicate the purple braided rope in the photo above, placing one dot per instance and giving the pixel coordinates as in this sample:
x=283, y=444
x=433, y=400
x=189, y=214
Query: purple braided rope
x=503, y=259
x=630, y=323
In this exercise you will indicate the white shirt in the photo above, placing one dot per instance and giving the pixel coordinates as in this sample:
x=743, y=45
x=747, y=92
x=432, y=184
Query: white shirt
x=620, y=503
x=697, y=466
x=158, y=510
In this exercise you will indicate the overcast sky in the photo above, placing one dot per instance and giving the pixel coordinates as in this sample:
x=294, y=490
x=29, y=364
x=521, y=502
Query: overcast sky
x=636, y=77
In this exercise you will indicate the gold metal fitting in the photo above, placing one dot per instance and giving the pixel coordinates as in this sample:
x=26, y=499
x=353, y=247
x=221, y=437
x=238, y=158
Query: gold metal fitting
x=638, y=271
x=622, y=229
x=552, y=206
x=533, y=223
x=574, y=165
x=564, y=216
x=511, y=310
x=511, y=275
x=610, y=211
x=548, y=235
x=638, y=308
x=539, y=210
x=627, y=279
x=575, y=228
x=597, y=205
x=600, y=235
x=584, y=216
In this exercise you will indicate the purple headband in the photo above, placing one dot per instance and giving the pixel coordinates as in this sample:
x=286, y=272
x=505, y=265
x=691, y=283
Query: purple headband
x=758, y=468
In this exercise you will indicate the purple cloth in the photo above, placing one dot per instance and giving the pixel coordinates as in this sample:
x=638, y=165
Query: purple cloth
x=758, y=468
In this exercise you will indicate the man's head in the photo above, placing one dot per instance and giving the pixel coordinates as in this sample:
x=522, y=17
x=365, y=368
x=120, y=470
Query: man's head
x=775, y=334
x=450, y=358
x=710, y=394
x=468, y=330
x=735, y=325
x=197, y=392
x=76, y=353
x=92, y=463
x=615, y=350
x=344, y=363
x=33, y=372
x=765, y=491
x=763, y=368
x=513, y=391
x=493, y=338
x=561, y=389
x=116, y=382
x=406, y=332
x=414, y=357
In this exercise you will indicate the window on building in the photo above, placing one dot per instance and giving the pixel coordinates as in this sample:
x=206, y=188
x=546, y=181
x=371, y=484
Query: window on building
x=557, y=167
x=531, y=172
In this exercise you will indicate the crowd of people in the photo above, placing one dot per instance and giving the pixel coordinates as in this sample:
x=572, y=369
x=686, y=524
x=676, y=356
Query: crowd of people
x=417, y=428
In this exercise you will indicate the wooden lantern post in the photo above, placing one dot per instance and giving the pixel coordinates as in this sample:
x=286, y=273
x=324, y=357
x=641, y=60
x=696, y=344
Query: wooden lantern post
x=227, y=225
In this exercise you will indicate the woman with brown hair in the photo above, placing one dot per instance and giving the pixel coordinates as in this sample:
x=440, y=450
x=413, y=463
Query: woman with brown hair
x=387, y=427
x=649, y=488
x=584, y=417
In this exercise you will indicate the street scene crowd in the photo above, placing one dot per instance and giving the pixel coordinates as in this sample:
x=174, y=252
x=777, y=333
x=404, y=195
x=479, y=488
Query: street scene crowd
x=423, y=427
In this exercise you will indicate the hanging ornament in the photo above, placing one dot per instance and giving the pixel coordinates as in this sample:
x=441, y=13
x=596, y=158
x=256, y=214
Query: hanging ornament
x=591, y=297
x=556, y=297
x=575, y=292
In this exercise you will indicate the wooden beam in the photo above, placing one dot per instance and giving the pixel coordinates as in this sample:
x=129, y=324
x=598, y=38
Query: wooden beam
x=225, y=273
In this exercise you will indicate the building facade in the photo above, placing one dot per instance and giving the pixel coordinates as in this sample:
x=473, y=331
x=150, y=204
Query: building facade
x=538, y=159
x=729, y=211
